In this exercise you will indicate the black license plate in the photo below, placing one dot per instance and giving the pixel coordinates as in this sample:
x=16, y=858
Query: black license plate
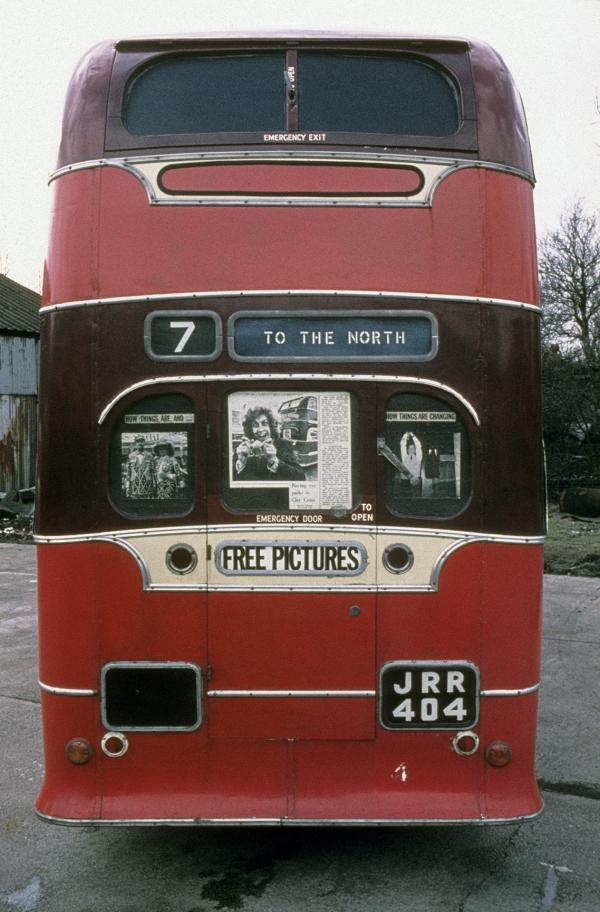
x=420, y=695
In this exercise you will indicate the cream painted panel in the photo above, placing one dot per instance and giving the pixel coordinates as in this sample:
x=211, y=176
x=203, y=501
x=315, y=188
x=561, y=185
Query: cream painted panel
x=430, y=549
x=152, y=552
x=428, y=553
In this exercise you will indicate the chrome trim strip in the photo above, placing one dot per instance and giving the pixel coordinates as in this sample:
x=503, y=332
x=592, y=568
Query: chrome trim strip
x=286, y=821
x=82, y=692
x=443, y=557
x=129, y=162
x=251, y=293
x=521, y=692
x=290, y=693
x=122, y=543
x=214, y=587
x=454, y=533
x=67, y=691
x=116, y=536
x=149, y=174
x=362, y=378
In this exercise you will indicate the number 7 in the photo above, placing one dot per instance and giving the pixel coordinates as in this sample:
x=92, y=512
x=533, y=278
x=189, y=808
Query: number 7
x=188, y=326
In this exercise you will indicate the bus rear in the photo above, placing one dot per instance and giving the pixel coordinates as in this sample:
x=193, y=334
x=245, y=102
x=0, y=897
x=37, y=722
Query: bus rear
x=291, y=510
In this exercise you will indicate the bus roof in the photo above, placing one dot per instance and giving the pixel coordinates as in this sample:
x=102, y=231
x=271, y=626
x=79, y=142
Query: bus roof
x=497, y=121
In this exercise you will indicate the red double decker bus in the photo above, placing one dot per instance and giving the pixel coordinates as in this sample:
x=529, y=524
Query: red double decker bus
x=290, y=513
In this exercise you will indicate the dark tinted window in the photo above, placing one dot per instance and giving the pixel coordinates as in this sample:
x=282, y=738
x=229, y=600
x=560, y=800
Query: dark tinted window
x=139, y=696
x=152, y=458
x=335, y=92
x=354, y=93
x=201, y=94
x=427, y=457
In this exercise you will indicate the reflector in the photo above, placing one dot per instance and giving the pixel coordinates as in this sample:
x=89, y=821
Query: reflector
x=498, y=753
x=78, y=751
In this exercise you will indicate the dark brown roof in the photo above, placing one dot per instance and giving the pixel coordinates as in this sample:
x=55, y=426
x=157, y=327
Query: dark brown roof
x=19, y=308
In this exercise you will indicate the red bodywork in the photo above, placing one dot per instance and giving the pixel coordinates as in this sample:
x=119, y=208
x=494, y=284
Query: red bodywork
x=477, y=239
x=318, y=758
x=277, y=759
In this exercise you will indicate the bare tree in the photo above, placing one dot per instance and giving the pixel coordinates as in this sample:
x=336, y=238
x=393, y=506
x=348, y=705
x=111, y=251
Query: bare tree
x=569, y=260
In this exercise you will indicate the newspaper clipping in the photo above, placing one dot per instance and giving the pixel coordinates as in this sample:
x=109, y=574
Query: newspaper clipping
x=298, y=441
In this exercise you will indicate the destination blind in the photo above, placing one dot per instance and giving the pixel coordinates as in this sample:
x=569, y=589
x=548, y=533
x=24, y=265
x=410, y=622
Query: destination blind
x=331, y=336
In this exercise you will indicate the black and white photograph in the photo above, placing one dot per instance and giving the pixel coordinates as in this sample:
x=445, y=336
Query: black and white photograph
x=427, y=447
x=299, y=441
x=154, y=466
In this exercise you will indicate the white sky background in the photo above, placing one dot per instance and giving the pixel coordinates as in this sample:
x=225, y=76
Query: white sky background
x=552, y=48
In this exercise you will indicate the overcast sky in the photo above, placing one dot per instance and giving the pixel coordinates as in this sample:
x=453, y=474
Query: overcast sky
x=552, y=48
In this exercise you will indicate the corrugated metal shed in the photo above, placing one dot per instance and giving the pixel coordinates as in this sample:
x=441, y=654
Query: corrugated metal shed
x=19, y=333
x=18, y=441
x=18, y=365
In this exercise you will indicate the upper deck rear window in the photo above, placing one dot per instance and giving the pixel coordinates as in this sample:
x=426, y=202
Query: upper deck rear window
x=202, y=94
x=354, y=93
x=333, y=92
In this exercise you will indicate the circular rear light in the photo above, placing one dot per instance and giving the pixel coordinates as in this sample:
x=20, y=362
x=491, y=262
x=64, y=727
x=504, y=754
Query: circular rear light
x=466, y=743
x=498, y=754
x=181, y=559
x=398, y=558
x=78, y=751
x=114, y=744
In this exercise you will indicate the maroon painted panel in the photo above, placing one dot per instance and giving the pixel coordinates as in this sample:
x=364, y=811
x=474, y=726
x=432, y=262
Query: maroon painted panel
x=84, y=117
x=506, y=490
x=502, y=127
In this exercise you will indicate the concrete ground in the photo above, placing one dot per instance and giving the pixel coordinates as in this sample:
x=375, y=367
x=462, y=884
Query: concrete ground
x=552, y=863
